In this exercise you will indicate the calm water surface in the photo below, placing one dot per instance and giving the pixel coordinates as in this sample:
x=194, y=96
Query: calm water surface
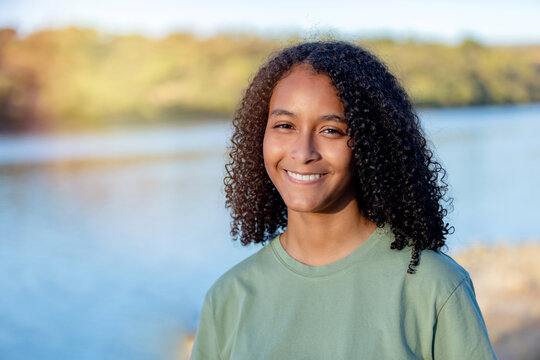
x=109, y=241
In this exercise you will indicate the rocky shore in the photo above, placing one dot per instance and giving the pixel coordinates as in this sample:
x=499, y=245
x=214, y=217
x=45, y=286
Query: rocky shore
x=507, y=285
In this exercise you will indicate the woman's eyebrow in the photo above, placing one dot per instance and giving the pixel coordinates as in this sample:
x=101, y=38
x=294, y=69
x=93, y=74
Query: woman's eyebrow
x=277, y=112
x=331, y=117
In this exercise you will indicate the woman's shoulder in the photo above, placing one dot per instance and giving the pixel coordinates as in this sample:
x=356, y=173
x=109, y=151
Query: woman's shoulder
x=249, y=271
x=435, y=266
x=437, y=277
x=438, y=265
x=439, y=274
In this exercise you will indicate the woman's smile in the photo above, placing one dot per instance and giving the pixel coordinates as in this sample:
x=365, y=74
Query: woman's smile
x=309, y=178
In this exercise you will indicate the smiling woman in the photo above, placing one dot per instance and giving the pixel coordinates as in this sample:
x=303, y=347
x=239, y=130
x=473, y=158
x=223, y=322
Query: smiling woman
x=306, y=144
x=329, y=164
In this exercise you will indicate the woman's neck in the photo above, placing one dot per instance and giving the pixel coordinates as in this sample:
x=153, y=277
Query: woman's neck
x=322, y=238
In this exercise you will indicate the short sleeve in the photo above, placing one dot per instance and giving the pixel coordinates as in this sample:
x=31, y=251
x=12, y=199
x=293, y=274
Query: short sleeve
x=460, y=331
x=205, y=346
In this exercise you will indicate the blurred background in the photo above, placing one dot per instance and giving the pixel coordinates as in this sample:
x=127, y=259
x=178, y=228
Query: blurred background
x=114, y=120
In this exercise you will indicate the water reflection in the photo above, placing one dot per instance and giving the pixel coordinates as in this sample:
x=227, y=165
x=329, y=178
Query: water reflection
x=105, y=256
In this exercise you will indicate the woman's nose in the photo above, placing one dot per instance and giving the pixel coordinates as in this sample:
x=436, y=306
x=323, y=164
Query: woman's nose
x=304, y=149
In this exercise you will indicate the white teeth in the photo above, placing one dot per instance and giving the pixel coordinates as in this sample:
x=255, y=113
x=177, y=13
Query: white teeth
x=303, y=177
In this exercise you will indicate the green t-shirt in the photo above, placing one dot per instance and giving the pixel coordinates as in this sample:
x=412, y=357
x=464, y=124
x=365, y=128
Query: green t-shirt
x=363, y=306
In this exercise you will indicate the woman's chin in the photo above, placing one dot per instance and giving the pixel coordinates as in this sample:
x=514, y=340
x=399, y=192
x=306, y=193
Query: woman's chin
x=303, y=206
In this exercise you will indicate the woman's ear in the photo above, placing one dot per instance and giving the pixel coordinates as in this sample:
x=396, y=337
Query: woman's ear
x=350, y=142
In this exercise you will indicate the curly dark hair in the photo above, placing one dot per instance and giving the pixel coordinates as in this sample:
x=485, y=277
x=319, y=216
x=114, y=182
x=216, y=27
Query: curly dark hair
x=397, y=179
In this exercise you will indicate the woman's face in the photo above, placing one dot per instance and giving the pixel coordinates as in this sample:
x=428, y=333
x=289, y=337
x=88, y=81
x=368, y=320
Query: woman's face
x=305, y=143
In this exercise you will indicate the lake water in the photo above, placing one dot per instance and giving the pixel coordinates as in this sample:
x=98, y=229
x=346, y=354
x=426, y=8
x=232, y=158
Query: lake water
x=108, y=242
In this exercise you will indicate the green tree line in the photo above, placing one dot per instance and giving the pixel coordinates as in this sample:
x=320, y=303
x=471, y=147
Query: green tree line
x=73, y=77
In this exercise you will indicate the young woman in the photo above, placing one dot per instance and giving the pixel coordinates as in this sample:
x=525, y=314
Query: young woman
x=329, y=165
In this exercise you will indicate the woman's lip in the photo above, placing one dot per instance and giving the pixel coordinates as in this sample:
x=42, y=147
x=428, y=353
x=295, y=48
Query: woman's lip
x=301, y=181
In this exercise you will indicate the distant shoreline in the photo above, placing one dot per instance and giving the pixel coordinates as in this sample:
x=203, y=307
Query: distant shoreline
x=193, y=120
x=77, y=77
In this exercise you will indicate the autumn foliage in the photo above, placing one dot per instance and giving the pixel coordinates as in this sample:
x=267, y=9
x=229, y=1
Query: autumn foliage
x=79, y=78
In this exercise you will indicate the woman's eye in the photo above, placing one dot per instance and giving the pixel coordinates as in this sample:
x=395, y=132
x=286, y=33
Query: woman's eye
x=333, y=131
x=283, y=126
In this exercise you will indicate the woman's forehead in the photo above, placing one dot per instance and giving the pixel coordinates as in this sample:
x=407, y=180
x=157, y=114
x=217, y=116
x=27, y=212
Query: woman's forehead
x=304, y=89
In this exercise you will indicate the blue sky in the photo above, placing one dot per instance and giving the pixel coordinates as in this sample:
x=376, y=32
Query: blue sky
x=491, y=21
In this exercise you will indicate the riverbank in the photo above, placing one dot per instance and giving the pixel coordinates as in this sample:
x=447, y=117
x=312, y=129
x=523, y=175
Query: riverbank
x=507, y=286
